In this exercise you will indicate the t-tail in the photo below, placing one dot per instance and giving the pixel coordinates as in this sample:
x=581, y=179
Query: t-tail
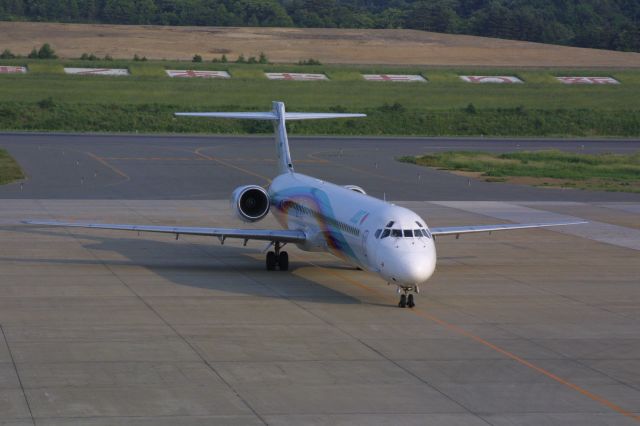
x=278, y=116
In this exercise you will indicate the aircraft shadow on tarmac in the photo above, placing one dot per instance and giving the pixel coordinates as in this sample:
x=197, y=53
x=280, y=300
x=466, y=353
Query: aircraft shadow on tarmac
x=206, y=266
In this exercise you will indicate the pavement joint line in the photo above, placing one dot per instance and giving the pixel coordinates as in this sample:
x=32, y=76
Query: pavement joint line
x=536, y=343
x=165, y=322
x=15, y=368
x=461, y=331
x=379, y=353
x=496, y=215
x=233, y=166
x=560, y=356
x=183, y=339
x=195, y=349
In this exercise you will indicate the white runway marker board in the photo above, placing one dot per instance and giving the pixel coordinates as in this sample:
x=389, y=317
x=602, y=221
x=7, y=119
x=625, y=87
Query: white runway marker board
x=297, y=76
x=12, y=70
x=402, y=78
x=496, y=79
x=98, y=71
x=197, y=74
x=587, y=80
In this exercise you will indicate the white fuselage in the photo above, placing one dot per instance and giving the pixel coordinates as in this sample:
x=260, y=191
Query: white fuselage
x=391, y=241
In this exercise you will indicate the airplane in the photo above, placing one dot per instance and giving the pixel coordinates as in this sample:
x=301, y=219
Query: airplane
x=371, y=234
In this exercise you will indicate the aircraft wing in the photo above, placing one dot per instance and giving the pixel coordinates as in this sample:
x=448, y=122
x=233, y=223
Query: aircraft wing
x=281, y=235
x=457, y=230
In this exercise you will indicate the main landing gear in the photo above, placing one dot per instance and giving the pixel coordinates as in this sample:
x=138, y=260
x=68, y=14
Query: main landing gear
x=406, y=298
x=277, y=258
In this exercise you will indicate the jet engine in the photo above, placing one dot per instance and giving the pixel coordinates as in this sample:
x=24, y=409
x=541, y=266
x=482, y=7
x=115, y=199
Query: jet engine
x=355, y=188
x=250, y=203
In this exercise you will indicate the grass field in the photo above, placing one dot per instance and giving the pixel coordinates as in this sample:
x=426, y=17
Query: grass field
x=9, y=170
x=47, y=99
x=394, y=47
x=609, y=172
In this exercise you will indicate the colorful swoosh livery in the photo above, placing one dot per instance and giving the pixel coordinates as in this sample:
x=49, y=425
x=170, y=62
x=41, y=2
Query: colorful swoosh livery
x=293, y=203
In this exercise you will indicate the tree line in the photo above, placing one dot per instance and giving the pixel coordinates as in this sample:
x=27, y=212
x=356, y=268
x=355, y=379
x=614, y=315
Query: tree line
x=605, y=24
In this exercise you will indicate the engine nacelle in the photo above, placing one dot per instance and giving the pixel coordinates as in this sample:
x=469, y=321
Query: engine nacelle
x=355, y=188
x=250, y=203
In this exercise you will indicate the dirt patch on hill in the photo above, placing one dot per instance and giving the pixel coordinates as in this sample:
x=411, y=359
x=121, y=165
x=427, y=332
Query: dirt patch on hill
x=337, y=46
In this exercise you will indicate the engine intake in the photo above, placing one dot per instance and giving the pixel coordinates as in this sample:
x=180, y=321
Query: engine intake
x=251, y=203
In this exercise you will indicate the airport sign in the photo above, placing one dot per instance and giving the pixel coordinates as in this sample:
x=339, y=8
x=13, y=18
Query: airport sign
x=497, y=79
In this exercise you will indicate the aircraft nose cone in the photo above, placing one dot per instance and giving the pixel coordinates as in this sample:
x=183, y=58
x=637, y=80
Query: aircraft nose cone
x=413, y=268
x=418, y=269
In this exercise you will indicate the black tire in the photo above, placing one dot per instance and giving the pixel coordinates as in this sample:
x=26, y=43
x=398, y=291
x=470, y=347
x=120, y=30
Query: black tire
x=403, y=301
x=410, y=302
x=271, y=261
x=283, y=261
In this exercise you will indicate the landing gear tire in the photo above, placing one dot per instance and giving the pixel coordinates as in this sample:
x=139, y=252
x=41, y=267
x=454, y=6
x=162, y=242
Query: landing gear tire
x=272, y=260
x=410, y=302
x=403, y=301
x=406, y=298
x=283, y=261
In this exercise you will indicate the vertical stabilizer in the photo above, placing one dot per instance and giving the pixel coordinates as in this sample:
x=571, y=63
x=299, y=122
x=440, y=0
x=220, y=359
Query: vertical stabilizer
x=283, y=163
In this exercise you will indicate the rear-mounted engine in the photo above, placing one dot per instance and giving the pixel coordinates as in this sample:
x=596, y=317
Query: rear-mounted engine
x=250, y=203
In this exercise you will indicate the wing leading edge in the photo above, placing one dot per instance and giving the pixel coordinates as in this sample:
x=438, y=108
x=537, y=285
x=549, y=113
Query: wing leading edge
x=458, y=230
x=281, y=235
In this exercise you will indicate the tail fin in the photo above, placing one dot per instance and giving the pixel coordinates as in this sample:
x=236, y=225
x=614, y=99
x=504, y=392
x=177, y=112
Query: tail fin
x=279, y=116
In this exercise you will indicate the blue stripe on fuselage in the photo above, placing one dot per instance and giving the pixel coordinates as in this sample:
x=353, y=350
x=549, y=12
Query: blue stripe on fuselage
x=334, y=237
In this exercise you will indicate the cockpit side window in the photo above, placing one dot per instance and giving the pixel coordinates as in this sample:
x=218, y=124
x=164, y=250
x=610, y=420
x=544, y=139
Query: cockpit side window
x=426, y=233
x=417, y=233
x=408, y=233
x=396, y=233
x=377, y=234
x=385, y=233
x=419, y=224
x=390, y=224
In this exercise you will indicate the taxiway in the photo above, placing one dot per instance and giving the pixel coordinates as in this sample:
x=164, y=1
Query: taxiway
x=105, y=327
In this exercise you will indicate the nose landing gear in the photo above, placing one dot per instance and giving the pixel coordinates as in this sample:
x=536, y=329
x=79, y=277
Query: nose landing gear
x=406, y=298
x=277, y=258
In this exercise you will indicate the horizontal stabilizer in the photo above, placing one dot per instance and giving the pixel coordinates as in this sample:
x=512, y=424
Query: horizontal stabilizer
x=279, y=117
x=269, y=115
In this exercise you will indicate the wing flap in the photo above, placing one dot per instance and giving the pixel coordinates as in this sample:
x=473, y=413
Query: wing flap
x=281, y=235
x=458, y=230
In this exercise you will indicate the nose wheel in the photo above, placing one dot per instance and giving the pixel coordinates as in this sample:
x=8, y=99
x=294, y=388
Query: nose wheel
x=277, y=258
x=406, y=298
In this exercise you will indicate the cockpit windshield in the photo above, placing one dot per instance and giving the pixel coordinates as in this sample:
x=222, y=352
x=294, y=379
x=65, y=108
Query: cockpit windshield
x=402, y=233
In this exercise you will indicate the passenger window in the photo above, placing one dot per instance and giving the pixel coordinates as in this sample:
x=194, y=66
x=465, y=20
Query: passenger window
x=377, y=234
x=408, y=233
x=396, y=233
x=385, y=233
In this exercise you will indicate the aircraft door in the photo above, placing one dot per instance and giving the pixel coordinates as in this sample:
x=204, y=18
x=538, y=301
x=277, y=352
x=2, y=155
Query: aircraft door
x=365, y=236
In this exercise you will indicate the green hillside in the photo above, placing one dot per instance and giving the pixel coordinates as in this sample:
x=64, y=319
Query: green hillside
x=605, y=24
